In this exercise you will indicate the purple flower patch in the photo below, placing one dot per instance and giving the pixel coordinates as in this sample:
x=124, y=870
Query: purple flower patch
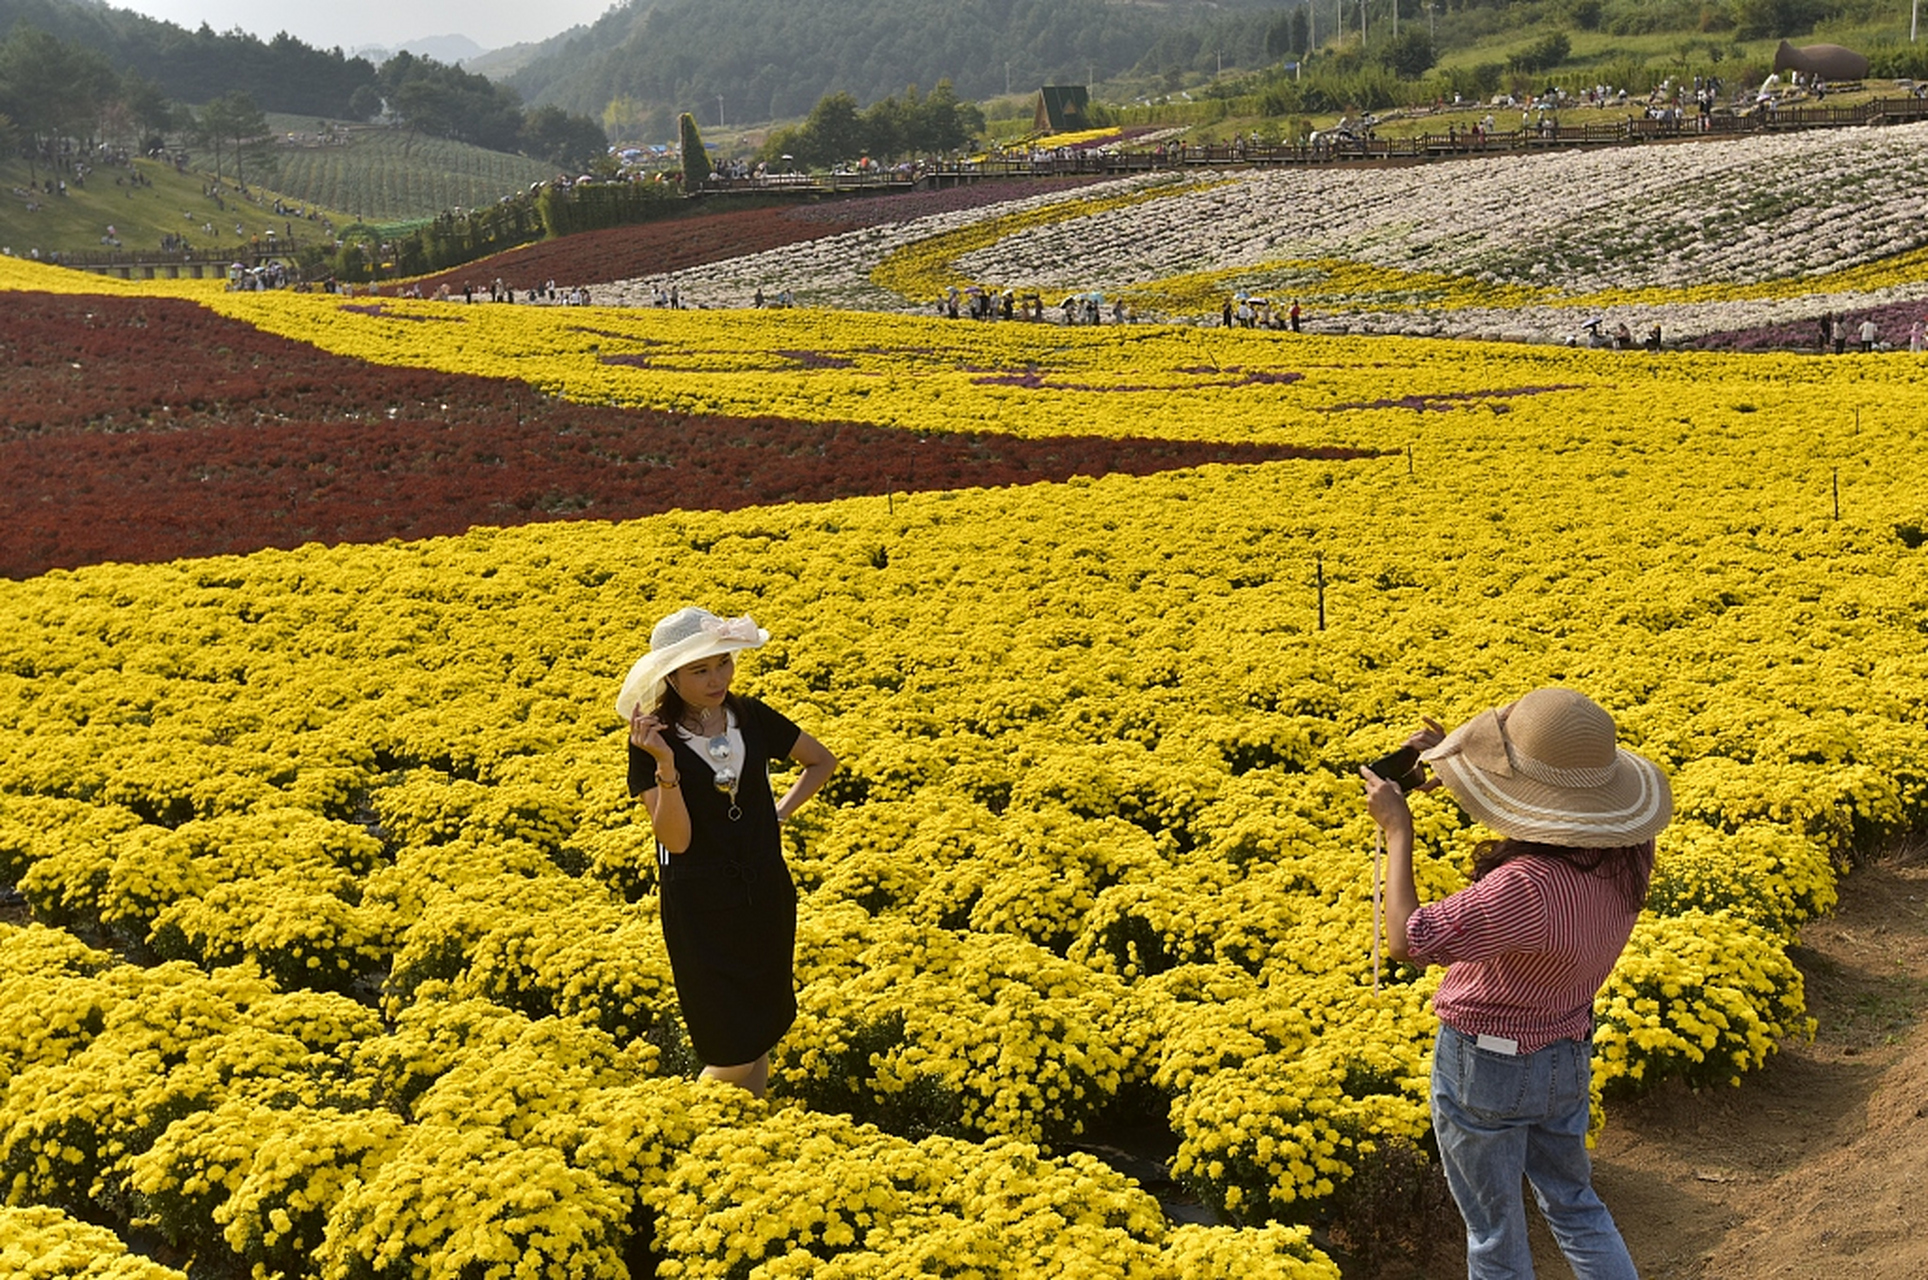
x=1445, y=400
x=381, y=309
x=818, y=360
x=1233, y=377
x=621, y=337
x=1892, y=320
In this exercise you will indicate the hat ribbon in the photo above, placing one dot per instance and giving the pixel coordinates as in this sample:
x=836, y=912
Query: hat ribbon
x=1554, y=776
x=731, y=630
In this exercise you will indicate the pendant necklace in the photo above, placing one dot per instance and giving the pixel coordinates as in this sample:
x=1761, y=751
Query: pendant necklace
x=719, y=752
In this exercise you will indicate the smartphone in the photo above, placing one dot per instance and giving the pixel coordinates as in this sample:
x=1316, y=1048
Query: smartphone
x=1402, y=767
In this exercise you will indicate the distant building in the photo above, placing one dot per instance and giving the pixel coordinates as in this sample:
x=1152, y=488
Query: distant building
x=1062, y=108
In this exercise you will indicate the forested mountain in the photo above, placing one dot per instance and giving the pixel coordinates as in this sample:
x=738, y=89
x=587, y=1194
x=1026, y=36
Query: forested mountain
x=638, y=65
x=281, y=74
x=87, y=71
x=770, y=59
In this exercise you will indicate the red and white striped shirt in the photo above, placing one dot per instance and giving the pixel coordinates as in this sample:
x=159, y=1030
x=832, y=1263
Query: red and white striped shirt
x=1528, y=947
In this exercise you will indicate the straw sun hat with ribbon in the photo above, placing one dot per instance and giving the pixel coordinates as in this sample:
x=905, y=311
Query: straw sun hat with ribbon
x=1547, y=769
x=686, y=636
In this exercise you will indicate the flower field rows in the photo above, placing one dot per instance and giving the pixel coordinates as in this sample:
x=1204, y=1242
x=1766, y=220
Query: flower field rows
x=930, y=376
x=834, y=270
x=655, y=250
x=1700, y=238
x=344, y=958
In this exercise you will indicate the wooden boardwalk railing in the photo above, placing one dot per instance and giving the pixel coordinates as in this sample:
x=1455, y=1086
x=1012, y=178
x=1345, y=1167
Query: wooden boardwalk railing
x=178, y=264
x=1630, y=130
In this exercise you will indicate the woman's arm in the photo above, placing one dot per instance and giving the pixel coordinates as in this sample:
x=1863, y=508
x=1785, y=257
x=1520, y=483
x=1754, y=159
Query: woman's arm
x=818, y=764
x=669, y=817
x=1387, y=805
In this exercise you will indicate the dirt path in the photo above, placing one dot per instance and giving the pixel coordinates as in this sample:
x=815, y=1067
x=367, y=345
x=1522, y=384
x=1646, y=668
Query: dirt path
x=1814, y=1168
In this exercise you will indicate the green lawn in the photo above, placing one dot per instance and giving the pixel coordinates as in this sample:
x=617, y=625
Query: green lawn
x=140, y=214
x=379, y=175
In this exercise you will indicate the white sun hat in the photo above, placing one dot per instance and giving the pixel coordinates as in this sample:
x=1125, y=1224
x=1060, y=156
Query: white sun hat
x=1548, y=769
x=688, y=635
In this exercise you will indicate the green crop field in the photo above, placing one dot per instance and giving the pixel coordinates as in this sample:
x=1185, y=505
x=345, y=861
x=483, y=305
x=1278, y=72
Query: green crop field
x=389, y=175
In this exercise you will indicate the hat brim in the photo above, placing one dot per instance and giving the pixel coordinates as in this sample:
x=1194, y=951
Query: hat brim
x=1631, y=807
x=643, y=686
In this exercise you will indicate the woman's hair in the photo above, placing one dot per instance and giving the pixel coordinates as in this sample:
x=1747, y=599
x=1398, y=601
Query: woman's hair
x=1628, y=866
x=670, y=707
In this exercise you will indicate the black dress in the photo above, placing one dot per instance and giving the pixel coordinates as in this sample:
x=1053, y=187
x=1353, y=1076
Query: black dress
x=729, y=908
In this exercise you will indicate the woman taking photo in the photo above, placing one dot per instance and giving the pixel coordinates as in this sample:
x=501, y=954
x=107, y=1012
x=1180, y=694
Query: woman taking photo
x=698, y=760
x=1527, y=946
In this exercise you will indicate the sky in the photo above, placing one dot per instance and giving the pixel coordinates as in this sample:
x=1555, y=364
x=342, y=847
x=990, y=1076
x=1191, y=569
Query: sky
x=389, y=23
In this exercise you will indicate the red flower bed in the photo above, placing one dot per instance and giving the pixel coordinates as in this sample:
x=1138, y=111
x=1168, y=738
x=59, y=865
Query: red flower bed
x=698, y=239
x=151, y=429
x=875, y=211
x=624, y=253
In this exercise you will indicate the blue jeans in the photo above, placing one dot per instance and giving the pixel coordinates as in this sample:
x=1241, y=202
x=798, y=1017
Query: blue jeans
x=1501, y=1117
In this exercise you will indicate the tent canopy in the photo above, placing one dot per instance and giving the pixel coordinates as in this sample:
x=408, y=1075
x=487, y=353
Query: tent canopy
x=1062, y=108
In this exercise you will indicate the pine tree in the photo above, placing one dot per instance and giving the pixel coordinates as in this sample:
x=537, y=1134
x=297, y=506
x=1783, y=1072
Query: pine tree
x=696, y=161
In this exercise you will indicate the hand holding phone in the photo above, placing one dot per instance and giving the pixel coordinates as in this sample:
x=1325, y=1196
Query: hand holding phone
x=1403, y=768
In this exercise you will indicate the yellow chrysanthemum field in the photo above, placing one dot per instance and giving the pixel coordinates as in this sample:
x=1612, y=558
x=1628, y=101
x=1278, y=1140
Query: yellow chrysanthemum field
x=339, y=954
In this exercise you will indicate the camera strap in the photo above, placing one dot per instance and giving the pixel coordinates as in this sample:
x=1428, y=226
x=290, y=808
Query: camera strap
x=1378, y=856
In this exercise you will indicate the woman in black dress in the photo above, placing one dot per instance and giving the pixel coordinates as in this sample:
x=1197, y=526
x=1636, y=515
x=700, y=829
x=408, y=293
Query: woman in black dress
x=698, y=760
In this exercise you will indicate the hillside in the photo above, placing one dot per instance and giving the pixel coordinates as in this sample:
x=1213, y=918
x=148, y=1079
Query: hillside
x=772, y=59
x=377, y=175
x=143, y=204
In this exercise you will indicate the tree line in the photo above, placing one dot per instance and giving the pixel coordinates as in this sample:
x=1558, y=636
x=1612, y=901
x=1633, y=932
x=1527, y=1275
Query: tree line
x=442, y=101
x=109, y=74
x=53, y=93
x=282, y=74
x=836, y=130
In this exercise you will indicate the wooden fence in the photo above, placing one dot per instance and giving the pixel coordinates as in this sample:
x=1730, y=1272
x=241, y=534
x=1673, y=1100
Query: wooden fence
x=180, y=264
x=1547, y=136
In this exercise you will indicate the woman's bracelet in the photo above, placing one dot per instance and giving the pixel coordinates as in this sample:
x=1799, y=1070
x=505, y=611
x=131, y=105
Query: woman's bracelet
x=669, y=782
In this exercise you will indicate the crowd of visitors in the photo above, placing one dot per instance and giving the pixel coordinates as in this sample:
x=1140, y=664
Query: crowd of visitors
x=1243, y=311
x=1837, y=331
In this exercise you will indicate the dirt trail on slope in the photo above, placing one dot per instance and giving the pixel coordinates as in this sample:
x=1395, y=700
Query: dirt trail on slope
x=1816, y=1168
